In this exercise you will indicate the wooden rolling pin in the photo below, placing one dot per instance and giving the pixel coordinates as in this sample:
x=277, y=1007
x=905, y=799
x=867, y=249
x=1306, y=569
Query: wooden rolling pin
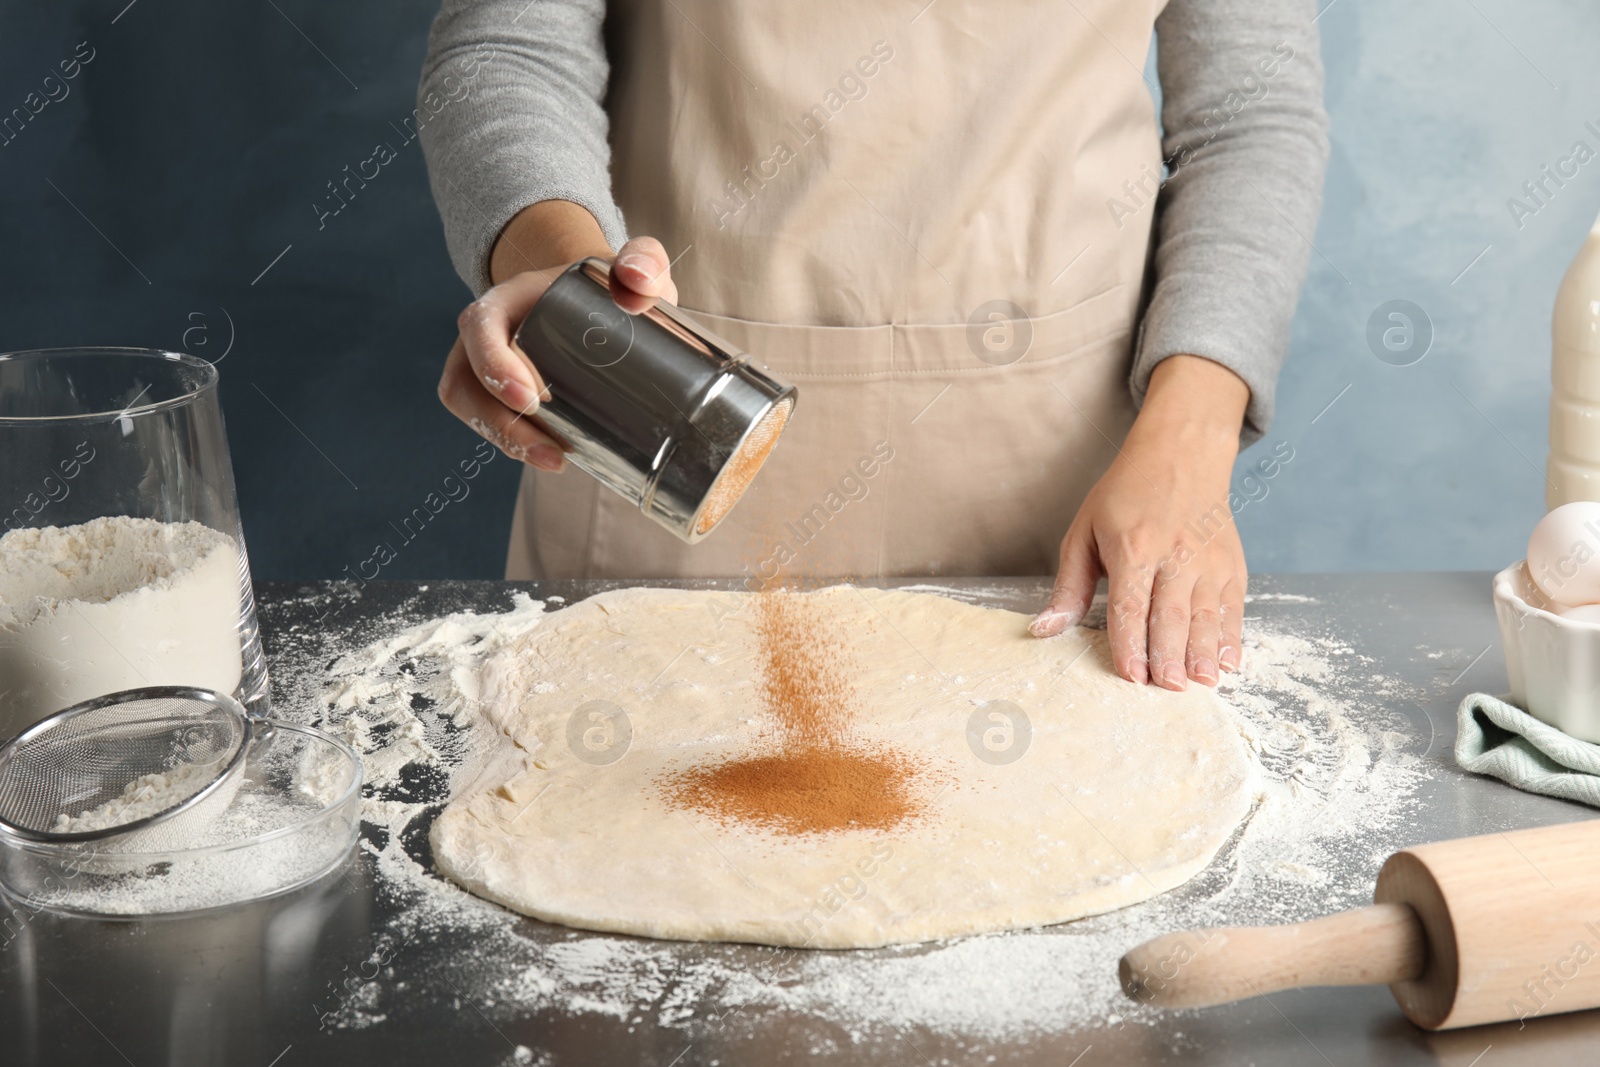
x=1476, y=930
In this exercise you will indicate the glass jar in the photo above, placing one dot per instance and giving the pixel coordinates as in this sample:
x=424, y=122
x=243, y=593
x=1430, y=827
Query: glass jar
x=122, y=560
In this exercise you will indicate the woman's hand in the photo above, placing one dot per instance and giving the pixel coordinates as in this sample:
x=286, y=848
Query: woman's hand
x=1159, y=527
x=488, y=382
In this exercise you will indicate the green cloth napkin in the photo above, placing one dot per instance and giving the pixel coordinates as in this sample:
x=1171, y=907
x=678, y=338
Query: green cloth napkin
x=1501, y=740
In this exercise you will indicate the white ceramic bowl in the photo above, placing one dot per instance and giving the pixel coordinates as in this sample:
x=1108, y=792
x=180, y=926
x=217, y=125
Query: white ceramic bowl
x=1553, y=662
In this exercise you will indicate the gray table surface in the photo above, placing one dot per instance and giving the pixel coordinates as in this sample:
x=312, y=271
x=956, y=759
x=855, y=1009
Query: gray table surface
x=244, y=985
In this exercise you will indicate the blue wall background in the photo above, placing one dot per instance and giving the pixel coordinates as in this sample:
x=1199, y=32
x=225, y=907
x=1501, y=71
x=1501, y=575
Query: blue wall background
x=167, y=201
x=1441, y=109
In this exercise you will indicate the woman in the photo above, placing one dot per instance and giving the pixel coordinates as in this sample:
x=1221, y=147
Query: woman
x=935, y=218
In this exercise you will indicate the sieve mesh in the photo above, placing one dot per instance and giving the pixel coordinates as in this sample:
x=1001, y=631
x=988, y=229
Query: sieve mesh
x=742, y=467
x=119, y=762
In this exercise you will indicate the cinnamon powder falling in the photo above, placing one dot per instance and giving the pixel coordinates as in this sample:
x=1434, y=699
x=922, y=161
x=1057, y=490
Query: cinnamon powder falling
x=808, y=774
x=803, y=688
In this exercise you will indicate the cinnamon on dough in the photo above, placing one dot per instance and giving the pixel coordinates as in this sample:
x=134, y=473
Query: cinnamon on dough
x=809, y=775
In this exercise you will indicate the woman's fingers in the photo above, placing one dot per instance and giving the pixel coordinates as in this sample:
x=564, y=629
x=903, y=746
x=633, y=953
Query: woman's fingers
x=488, y=326
x=641, y=273
x=510, y=431
x=1170, y=613
x=1128, y=587
x=1076, y=577
x=488, y=381
x=1205, y=629
x=1171, y=620
x=1230, y=645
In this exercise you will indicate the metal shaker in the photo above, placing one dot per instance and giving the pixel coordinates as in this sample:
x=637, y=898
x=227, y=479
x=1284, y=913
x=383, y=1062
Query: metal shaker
x=654, y=406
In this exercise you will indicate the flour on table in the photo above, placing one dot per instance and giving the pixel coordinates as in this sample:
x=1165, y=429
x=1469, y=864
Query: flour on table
x=1338, y=779
x=373, y=696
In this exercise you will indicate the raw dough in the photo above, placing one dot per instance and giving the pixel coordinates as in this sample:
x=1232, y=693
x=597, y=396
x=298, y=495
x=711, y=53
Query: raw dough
x=1120, y=793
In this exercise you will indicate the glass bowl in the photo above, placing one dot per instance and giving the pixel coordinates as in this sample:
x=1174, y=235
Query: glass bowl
x=295, y=818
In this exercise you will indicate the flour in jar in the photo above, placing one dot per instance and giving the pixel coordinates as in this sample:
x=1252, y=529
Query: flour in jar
x=114, y=603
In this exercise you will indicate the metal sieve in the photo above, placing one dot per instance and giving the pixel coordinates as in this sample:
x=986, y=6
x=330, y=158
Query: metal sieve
x=140, y=769
x=652, y=405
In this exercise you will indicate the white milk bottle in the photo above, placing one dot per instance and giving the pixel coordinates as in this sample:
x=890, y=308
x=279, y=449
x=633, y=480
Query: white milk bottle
x=1573, y=470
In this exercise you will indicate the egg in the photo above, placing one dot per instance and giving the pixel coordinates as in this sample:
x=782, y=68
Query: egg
x=1589, y=613
x=1564, y=554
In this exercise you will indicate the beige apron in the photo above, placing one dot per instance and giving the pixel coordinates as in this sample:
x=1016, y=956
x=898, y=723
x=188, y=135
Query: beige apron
x=845, y=188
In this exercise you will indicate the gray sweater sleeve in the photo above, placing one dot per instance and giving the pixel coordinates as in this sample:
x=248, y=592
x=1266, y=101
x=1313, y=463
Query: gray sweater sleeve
x=1246, y=145
x=510, y=111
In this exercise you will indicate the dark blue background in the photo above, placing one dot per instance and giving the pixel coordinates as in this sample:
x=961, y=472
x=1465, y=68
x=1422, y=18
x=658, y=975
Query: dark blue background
x=197, y=140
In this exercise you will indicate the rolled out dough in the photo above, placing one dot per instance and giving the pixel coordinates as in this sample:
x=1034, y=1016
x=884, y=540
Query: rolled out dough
x=1120, y=791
